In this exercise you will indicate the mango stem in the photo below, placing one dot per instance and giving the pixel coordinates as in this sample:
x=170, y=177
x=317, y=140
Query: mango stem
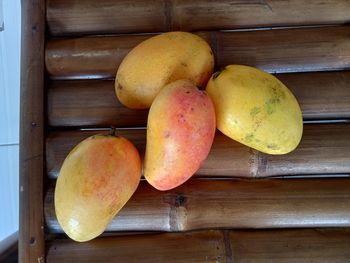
x=113, y=131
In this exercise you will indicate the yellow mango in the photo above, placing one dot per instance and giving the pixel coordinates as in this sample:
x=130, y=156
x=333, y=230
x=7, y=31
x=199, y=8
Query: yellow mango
x=180, y=132
x=158, y=61
x=256, y=109
x=97, y=178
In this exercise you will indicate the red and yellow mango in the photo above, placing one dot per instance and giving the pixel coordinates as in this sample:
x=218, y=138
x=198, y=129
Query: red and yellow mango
x=180, y=132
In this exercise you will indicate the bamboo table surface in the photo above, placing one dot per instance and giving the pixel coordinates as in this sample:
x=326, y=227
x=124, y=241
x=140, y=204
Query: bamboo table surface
x=241, y=205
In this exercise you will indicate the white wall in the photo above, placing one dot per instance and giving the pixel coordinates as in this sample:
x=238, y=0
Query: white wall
x=9, y=116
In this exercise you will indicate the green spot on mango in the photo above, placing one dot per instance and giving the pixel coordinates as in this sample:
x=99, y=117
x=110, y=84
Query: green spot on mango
x=277, y=95
x=249, y=137
x=269, y=107
x=254, y=111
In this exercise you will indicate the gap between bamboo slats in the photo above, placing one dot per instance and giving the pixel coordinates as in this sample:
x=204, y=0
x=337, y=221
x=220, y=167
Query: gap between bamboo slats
x=279, y=51
x=93, y=103
x=109, y=16
x=324, y=149
x=258, y=246
x=210, y=204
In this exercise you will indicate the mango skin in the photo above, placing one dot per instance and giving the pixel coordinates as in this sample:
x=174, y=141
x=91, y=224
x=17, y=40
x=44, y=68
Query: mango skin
x=96, y=180
x=180, y=132
x=158, y=61
x=256, y=109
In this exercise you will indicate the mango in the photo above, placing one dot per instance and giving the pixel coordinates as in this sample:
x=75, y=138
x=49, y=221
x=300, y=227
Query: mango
x=256, y=109
x=180, y=132
x=97, y=178
x=160, y=60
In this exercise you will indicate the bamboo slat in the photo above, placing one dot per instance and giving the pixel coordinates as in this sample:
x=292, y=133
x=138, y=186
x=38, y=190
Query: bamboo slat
x=31, y=163
x=68, y=17
x=324, y=149
x=263, y=246
x=191, y=247
x=93, y=103
x=283, y=50
x=291, y=246
x=209, y=204
x=88, y=58
x=287, y=50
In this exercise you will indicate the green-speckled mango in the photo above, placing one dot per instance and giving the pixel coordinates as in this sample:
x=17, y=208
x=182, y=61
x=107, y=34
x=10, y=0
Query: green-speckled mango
x=256, y=109
x=159, y=61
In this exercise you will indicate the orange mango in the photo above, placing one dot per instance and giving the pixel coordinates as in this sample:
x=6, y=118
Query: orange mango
x=158, y=61
x=96, y=180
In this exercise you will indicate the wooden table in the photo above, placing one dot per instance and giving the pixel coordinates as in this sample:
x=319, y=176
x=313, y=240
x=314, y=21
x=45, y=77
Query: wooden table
x=242, y=205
